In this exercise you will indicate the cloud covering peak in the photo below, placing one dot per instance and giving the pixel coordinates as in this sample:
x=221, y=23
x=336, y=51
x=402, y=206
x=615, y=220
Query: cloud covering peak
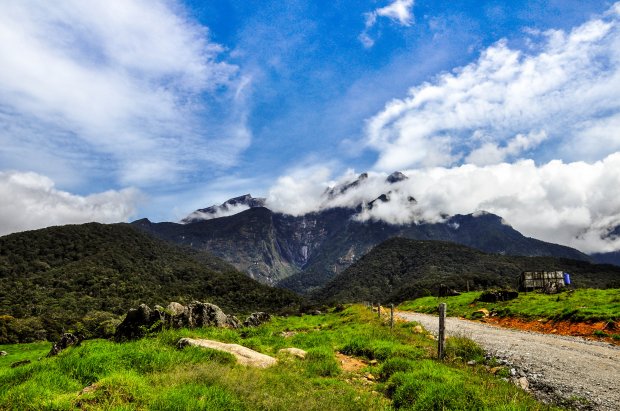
x=575, y=204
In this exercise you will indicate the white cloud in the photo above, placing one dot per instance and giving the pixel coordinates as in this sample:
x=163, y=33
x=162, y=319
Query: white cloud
x=575, y=204
x=132, y=81
x=299, y=192
x=491, y=153
x=30, y=201
x=398, y=11
x=219, y=212
x=565, y=90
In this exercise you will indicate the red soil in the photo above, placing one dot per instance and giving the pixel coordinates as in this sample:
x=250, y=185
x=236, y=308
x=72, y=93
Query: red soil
x=585, y=330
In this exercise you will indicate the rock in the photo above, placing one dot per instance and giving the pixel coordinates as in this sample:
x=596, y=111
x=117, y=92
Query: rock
x=244, y=355
x=20, y=363
x=472, y=362
x=138, y=322
x=256, y=319
x=513, y=372
x=3, y=353
x=295, y=352
x=483, y=312
x=288, y=334
x=142, y=320
x=418, y=329
x=67, y=340
x=232, y=321
x=370, y=377
x=523, y=383
x=495, y=370
x=373, y=362
x=205, y=314
x=176, y=309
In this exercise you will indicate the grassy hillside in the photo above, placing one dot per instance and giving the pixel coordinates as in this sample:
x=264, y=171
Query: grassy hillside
x=401, y=269
x=153, y=374
x=578, y=305
x=54, y=278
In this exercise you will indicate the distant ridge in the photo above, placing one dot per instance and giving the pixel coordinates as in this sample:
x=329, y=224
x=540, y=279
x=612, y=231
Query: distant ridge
x=400, y=269
x=59, y=274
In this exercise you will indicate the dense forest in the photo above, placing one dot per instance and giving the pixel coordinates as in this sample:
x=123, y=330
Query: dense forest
x=401, y=269
x=83, y=277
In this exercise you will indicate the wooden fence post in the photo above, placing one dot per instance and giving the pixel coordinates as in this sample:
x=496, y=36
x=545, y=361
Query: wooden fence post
x=379, y=310
x=391, y=316
x=441, y=340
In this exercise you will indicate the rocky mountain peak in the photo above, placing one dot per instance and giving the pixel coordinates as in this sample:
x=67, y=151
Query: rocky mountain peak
x=343, y=188
x=395, y=177
x=229, y=207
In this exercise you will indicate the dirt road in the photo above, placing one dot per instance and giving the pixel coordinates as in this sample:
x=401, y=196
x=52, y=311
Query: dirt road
x=569, y=371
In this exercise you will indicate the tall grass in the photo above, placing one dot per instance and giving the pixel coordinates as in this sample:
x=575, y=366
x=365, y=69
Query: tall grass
x=153, y=374
x=577, y=305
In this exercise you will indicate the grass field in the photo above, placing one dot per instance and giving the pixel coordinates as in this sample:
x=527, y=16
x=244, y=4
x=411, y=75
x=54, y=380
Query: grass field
x=153, y=374
x=577, y=305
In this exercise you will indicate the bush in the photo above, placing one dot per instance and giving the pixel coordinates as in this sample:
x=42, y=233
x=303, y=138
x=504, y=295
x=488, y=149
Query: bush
x=393, y=365
x=432, y=386
x=322, y=363
x=464, y=349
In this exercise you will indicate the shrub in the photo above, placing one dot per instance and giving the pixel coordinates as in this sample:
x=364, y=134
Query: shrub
x=463, y=348
x=322, y=363
x=394, y=365
x=432, y=386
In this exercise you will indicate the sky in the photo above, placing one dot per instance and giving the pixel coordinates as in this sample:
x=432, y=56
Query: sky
x=121, y=109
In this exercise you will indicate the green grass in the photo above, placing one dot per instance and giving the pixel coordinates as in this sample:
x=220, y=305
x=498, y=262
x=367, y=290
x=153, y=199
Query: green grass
x=152, y=374
x=578, y=305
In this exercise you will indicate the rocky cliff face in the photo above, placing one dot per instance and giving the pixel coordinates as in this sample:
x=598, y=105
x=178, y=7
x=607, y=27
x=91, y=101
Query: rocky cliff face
x=303, y=253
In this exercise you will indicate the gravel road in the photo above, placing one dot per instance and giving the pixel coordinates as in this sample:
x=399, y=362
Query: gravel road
x=568, y=371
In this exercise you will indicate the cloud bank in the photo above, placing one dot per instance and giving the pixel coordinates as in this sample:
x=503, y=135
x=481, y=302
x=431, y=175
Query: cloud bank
x=30, y=201
x=559, y=96
x=123, y=87
x=576, y=204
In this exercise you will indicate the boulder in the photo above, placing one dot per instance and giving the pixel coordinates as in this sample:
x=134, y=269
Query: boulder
x=244, y=355
x=205, y=315
x=256, y=319
x=140, y=321
x=67, y=340
x=3, y=353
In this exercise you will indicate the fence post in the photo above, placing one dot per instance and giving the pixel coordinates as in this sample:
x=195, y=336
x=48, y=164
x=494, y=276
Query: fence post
x=391, y=316
x=379, y=310
x=441, y=340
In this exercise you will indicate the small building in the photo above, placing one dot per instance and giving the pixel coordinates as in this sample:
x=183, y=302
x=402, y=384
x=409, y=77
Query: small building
x=548, y=281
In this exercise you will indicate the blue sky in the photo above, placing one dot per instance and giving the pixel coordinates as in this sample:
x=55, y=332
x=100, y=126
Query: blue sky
x=116, y=110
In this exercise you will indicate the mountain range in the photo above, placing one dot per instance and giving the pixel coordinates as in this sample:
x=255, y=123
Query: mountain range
x=304, y=252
